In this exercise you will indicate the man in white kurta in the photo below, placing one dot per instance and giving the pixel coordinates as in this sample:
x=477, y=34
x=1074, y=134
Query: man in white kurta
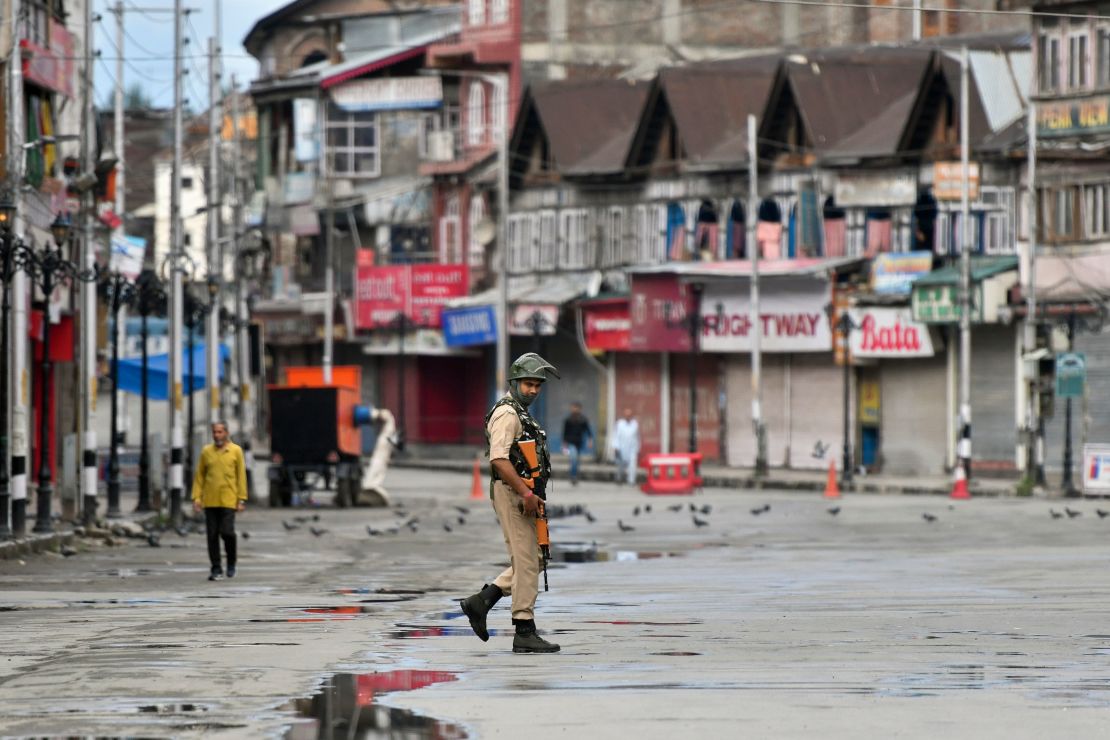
x=626, y=446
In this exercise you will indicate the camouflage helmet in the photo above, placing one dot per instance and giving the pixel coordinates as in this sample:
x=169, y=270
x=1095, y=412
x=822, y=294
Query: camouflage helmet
x=531, y=365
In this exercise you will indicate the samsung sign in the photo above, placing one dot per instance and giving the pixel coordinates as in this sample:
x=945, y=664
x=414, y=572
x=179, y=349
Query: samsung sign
x=466, y=327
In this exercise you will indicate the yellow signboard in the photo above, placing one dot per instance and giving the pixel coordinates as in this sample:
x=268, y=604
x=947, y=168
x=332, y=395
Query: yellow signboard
x=948, y=180
x=1069, y=117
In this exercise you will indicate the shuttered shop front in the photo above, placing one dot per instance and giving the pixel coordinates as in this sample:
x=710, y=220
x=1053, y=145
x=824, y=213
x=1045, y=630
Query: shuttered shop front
x=994, y=362
x=913, y=434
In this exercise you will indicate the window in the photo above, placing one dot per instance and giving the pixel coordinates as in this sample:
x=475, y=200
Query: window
x=186, y=239
x=476, y=215
x=499, y=11
x=1058, y=213
x=614, y=236
x=1096, y=218
x=497, y=112
x=37, y=29
x=997, y=207
x=548, y=241
x=855, y=234
x=449, y=238
x=476, y=12
x=353, y=143
x=574, y=239
x=1102, y=57
x=1048, y=60
x=1078, y=60
x=522, y=241
x=475, y=114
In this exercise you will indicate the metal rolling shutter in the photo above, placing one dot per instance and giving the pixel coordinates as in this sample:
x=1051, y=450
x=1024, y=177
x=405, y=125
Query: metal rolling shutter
x=914, y=415
x=816, y=411
x=738, y=388
x=993, y=377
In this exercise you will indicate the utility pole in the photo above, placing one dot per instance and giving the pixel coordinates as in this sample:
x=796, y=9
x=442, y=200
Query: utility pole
x=329, y=240
x=17, y=381
x=176, y=292
x=753, y=310
x=963, y=447
x=246, y=409
x=215, y=266
x=502, y=239
x=87, y=292
x=1034, y=428
x=121, y=203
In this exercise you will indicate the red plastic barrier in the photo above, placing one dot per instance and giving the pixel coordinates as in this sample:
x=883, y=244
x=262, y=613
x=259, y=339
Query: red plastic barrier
x=675, y=472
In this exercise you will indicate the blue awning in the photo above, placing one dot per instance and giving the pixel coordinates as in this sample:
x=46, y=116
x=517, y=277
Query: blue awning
x=131, y=372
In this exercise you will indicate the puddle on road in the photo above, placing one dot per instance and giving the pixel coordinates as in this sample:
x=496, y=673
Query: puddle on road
x=675, y=653
x=624, y=622
x=321, y=614
x=589, y=552
x=345, y=707
x=384, y=591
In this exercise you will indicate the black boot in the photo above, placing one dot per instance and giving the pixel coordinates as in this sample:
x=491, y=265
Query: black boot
x=477, y=606
x=528, y=641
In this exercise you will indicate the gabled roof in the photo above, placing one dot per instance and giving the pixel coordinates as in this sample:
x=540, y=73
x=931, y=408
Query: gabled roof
x=709, y=104
x=838, y=92
x=588, y=124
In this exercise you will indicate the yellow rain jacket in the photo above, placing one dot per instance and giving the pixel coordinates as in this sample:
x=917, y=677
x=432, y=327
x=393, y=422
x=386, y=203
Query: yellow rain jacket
x=221, y=476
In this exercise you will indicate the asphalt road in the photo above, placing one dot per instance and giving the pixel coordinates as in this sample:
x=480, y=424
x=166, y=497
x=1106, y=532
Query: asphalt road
x=990, y=621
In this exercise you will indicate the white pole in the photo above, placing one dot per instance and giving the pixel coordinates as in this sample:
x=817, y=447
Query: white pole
x=246, y=399
x=19, y=375
x=215, y=278
x=963, y=448
x=176, y=259
x=753, y=310
x=502, y=239
x=87, y=291
x=1034, y=464
x=329, y=242
x=121, y=204
x=916, y=20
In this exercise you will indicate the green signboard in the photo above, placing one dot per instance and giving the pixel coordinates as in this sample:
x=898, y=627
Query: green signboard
x=1071, y=374
x=940, y=304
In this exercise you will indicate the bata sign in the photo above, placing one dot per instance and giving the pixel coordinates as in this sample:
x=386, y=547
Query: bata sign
x=792, y=318
x=889, y=332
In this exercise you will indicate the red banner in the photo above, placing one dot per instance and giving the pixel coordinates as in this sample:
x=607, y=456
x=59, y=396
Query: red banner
x=658, y=310
x=417, y=291
x=52, y=68
x=607, y=325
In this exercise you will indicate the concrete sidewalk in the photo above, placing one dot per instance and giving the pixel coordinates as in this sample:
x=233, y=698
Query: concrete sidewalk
x=720, y=476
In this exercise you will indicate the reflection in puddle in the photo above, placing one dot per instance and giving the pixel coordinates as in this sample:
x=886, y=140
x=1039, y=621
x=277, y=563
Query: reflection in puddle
x=345, y=708
x=648, y=624
x=676, y=653
x=588, y=552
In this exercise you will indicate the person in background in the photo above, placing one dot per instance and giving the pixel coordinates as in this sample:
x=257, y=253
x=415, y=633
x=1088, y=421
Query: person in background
x=577, y=438
x=220, y=489
x=626, y=447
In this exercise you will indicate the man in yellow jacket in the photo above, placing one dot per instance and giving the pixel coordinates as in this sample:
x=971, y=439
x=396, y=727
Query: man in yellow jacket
x=220, y=488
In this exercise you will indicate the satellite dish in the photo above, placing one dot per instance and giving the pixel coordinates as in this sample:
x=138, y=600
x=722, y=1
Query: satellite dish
x=485, y=231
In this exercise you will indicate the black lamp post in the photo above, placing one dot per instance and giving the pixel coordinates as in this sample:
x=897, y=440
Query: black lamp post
x=401, y=323
x=120, y=292
x=150, y=298
x=845, y=325
x=693, y=324
x=195, y=311
x=49, y=267
x=12, y=253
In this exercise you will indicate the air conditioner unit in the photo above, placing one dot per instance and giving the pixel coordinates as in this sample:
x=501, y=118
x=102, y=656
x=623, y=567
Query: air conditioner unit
x=441, y=146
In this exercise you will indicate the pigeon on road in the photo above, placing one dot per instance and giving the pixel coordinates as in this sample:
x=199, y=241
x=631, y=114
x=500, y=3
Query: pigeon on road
x=317, y=531
x=928, y=517
x=1055, y=514
x=700, y=522
x=675, y=508
x=1102, y=514
x=153, y=540
x=834, y=510
x=590, y=517
x=289, y=527
x=636, y=511
x=625, y=527
x=1072, y=514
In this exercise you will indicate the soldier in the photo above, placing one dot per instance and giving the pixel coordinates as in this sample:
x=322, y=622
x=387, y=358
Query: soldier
x=508, y=423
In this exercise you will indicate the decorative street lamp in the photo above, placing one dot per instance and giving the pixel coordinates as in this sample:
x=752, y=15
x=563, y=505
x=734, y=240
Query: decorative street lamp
x=120, y=292
x=150, y=298
x=845, y=325
x=47, y=268
x=195, y=312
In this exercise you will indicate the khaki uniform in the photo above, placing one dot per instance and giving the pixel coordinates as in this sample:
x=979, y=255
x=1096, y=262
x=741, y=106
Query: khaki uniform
x=521, y=579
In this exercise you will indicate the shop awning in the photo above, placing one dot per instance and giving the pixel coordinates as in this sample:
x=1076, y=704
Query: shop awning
x=131, y=372
x=936, y=299
x=981, y=269
x=742, y=269
x=542, y=290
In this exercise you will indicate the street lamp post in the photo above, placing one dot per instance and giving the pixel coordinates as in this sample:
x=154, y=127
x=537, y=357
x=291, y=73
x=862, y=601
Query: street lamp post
x=1067, y=484
x=195, y=312
x=120, y=292
x=845, y=325
x=692, y=322
x=150, y=297
x=49, y=267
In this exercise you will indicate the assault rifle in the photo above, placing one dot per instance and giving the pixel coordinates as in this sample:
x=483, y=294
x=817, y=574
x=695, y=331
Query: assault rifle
x=528, y=449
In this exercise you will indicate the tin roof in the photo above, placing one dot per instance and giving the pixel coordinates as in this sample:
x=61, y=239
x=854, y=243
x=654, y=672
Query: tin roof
x=588, y=124
x=742, y=269
x=981, y=269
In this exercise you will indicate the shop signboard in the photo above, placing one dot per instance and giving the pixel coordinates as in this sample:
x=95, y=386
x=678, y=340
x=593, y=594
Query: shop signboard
x=127, y=256
x=893, y=274
x=948, y=180
x=658, y=312
x=1071, y=117
x=388, y=93
x=1096, y=468
x=1071, y=374
x=793, y=317
x=51, y=67
x=607, y=326
x=883, y=332
x=417, y=291
x=469, y=326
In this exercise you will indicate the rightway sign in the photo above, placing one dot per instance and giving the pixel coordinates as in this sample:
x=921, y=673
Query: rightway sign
x=1071, y=374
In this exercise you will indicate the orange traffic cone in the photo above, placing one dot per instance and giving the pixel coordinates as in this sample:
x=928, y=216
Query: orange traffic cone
x=832, y=490
x=959, y=489
x=476, y=482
